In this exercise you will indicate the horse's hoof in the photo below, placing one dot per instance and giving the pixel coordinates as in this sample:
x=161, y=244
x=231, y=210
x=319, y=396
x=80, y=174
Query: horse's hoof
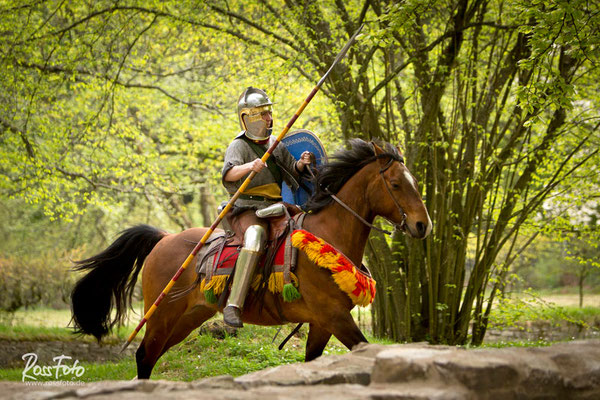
x=232, y=316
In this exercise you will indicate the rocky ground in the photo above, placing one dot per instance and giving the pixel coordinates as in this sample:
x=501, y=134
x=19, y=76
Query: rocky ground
x=416, y=371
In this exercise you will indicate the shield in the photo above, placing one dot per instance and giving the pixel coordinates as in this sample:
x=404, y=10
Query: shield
x=298, y=142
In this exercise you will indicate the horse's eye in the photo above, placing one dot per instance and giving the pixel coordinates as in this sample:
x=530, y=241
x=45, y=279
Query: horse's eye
x=395, y=185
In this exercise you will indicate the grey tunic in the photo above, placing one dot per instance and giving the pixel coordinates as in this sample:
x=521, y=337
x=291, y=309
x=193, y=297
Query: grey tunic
x=239, y=152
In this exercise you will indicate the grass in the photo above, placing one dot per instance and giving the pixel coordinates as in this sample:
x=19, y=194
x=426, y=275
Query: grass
x=251, y=349
x=198, y=356
x=45, y=324
x=531, y=307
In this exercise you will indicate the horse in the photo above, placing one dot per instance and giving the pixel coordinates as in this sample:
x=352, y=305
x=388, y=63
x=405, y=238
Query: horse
x=367, y=179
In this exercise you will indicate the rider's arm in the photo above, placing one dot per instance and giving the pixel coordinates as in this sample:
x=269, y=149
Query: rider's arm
x=237, y=172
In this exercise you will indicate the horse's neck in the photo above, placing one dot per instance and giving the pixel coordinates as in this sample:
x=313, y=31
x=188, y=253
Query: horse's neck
x=338, y=226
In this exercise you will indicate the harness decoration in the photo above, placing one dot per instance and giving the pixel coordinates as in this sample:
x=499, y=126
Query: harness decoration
x=215, y=268
x=357, y=284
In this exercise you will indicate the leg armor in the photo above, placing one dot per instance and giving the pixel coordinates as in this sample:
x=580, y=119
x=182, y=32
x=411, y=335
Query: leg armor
x=254, y=243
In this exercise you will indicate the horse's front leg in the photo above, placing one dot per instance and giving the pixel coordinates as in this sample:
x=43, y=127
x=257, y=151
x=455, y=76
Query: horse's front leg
x=316, y=342
x=344, y=328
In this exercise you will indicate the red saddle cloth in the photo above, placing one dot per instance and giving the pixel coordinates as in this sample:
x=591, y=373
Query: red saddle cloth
x=228, y=257
x=215, y=269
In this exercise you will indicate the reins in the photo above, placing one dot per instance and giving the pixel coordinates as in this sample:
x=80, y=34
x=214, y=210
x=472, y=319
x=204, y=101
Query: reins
x=361, y=219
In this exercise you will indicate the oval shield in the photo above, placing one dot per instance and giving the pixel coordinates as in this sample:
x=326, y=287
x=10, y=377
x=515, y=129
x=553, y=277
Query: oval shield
x=297, y=142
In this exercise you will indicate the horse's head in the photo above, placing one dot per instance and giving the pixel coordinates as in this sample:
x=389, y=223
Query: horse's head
x=394, y=194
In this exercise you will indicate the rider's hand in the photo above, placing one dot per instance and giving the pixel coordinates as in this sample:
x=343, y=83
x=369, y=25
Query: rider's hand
x=305, y=159
x=256, y=165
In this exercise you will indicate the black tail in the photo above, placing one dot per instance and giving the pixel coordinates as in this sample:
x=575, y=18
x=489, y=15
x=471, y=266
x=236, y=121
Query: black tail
x=111, y=280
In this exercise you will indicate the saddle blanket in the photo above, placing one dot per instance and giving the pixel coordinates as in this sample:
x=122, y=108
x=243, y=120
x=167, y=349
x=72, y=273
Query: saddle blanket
x=217, y=262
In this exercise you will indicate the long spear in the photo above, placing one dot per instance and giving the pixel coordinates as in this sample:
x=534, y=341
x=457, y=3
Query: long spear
x=240, y=191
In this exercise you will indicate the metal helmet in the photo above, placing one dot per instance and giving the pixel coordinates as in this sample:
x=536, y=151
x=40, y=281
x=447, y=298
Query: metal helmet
x=252, y=104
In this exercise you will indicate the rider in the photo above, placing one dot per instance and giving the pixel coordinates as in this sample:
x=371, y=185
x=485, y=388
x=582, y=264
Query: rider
x=243, y=155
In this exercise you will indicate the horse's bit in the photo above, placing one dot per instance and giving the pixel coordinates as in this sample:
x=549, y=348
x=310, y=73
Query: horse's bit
x=361, y=219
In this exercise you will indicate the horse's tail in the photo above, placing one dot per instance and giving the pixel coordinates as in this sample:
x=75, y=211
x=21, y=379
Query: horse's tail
x=110, y=281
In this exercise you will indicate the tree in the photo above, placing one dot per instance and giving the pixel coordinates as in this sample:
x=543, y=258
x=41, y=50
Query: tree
x=492, y=140
x=494, y=104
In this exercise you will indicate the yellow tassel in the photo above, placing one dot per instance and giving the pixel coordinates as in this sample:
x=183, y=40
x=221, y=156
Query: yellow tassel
x=276, y=282
x=217, y=284
x=294, y=279
x=256, y=281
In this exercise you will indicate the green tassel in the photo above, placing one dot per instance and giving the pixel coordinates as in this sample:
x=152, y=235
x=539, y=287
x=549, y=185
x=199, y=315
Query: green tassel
x=290, y=293
x=210, y=297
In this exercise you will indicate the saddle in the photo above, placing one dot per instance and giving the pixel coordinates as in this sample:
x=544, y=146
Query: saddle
x=216, y=260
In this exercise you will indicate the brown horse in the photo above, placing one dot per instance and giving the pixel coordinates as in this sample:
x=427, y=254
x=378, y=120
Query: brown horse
x=368, y=179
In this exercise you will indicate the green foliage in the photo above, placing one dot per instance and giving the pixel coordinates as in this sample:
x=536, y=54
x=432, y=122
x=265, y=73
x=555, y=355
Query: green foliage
x=118, y=112
x=530, y=307
x=43, y=281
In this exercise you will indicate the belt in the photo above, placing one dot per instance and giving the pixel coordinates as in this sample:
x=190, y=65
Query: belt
x=255, y=198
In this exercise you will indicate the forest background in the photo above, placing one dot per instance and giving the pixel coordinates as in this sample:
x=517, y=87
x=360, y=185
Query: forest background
x=114, y=113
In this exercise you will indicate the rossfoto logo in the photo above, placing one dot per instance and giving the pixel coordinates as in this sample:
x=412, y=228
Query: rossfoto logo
x=60, y=370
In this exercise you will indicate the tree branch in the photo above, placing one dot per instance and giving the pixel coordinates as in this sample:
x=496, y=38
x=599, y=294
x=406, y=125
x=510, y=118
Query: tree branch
x=22, y=133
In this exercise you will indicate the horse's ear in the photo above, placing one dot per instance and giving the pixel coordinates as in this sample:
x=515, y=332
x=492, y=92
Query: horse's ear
x=400, y=151
x=376, y=149
x=383, y=161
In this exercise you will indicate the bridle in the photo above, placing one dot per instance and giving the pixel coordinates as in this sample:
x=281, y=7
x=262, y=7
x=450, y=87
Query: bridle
x=389, y=191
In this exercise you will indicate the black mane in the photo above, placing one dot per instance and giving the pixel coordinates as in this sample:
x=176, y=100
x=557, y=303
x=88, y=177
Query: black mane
x=341, y=167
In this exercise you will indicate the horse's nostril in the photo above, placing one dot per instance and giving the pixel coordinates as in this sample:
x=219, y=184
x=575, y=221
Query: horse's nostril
x=421, y=228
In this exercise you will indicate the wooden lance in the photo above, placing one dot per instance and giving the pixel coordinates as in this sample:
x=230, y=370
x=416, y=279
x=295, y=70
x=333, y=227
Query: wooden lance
x=240, y=191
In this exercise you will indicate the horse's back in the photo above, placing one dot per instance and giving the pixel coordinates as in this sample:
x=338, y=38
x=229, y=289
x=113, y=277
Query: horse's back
x=168, y=255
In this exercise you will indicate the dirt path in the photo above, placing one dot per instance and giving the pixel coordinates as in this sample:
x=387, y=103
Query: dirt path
x=12, y=352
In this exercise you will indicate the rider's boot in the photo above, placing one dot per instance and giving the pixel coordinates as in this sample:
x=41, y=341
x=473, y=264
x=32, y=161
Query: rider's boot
x=254, y=240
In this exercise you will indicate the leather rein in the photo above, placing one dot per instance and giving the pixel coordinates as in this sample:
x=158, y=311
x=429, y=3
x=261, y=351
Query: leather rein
x=361, y=219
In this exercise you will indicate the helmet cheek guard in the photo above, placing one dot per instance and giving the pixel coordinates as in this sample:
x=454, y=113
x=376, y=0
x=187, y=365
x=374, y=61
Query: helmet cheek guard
x=253, y=105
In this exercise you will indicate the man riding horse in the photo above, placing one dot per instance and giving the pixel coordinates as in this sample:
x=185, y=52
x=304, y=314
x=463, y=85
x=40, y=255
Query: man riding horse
x=243, y=155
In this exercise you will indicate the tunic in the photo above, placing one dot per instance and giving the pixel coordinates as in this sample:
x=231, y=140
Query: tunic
x=263, y=184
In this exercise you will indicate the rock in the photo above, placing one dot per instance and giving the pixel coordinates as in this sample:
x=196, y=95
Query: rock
x=331, y=370
x=217, y=329
x=371, y=371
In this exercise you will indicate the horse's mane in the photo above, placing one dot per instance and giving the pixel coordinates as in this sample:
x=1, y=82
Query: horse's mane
x=341, y=167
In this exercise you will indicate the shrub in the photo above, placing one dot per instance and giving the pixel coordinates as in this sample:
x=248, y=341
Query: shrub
x=44, y=280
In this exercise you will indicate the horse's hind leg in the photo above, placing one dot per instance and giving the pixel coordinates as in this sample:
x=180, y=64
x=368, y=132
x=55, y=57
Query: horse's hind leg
x=316, y=342
x=148, y=353
x=189, y=321
x=160, y=336
x=158, y=330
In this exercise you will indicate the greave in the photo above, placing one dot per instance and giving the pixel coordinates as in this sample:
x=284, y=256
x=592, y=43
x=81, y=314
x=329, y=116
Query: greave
x=254, y=239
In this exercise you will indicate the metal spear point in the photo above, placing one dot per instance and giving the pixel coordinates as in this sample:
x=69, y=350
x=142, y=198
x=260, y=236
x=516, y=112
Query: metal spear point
x=240, y=191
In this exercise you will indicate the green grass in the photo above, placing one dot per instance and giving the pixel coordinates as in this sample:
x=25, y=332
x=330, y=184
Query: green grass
x=203, y=355
x=43, y=324
x=198, y=356
x=531, y=307
x=250, y=350
x=516, y=343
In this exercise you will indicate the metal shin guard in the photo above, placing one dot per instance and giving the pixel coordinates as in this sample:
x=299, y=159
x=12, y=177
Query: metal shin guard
x=254, y=241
